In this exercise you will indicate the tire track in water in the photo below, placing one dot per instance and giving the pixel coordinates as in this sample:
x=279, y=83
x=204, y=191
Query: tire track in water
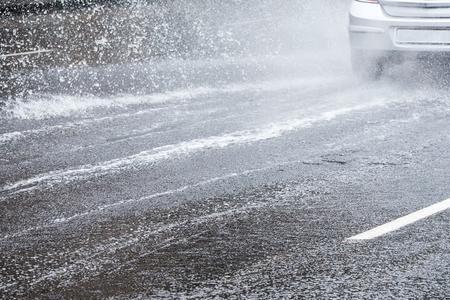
x=60, y=128
x=174, y=97
x=51, y=106
x=209, y=117
x=88, y=257
x=17, y=135
x=95, y=260
x=100, y=209
x=182, y=149
x=50, y=133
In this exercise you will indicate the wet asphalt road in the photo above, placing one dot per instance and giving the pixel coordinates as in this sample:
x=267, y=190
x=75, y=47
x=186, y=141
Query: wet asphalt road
x=228, y=188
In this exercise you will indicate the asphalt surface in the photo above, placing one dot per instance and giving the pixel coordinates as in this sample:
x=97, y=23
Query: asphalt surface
x=245, y=183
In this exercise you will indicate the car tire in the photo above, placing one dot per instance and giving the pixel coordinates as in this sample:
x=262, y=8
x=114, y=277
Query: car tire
x=367, y=66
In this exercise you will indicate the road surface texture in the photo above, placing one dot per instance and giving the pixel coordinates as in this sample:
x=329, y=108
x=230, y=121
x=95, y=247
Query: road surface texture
x=240, y=177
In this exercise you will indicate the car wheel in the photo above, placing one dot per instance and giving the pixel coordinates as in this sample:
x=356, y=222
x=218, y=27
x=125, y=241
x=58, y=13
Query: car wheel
x=367, y=66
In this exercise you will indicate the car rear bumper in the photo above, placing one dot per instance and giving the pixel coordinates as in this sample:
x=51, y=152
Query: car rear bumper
x=371, y=28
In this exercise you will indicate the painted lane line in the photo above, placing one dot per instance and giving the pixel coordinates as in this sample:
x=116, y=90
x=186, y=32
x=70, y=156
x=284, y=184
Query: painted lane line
x=403, y=221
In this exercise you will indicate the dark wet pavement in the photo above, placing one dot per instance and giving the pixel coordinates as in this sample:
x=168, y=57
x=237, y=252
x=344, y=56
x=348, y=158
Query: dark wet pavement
x=242, y=188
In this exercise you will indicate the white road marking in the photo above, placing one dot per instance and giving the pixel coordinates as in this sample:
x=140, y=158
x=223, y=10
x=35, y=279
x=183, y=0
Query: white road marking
x=403, y=221
x=26, y=53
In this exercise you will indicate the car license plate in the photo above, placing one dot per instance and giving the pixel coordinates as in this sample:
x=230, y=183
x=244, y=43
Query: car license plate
x=423, y=36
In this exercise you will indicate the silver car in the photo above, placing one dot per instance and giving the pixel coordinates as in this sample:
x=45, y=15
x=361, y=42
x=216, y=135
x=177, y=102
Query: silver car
x=383, y=31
